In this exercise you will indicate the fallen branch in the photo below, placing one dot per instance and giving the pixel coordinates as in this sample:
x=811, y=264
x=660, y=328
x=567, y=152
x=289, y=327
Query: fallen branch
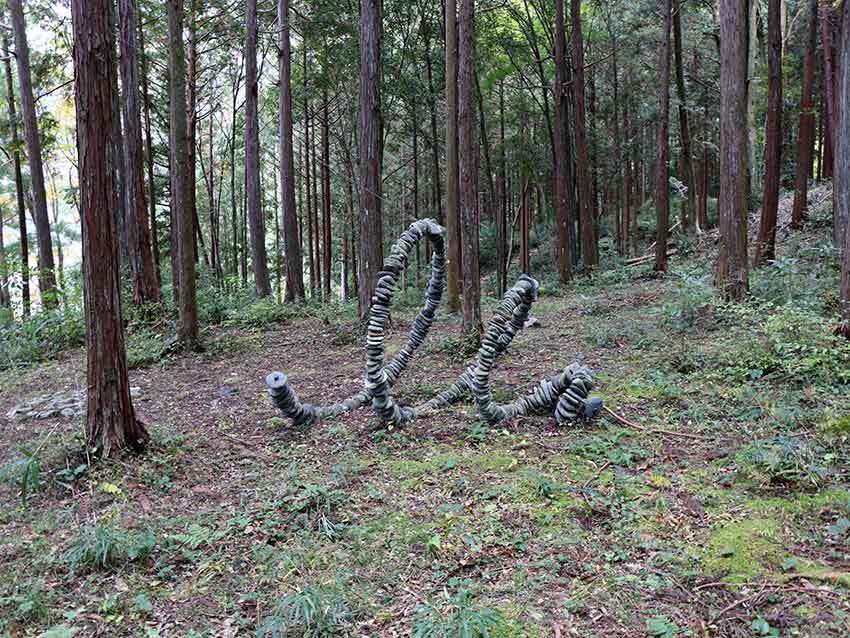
x=640, y=428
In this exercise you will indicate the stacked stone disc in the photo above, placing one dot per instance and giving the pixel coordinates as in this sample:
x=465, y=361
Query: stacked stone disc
x=565, y=396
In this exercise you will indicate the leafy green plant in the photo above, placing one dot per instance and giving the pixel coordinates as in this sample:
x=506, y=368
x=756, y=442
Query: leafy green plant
x=313, y=612
x=27, y=603
x=784, y=460
x=661, y=627
x=103, y=547
x=40, y=337
x=25, y=473
x=313, y=505
x=459, y=617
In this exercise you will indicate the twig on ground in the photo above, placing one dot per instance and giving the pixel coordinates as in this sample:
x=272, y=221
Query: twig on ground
x=635, y=426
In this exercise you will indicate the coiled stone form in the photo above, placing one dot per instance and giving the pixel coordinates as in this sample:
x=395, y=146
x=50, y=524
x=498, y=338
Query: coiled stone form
x=564, y=396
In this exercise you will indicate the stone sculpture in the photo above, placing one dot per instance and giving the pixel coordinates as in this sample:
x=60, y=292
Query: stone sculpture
x=565, y=396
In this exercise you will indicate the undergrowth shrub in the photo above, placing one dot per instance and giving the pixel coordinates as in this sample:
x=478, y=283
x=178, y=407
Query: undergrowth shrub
x=784, y=460
x=105, y=547
x=313, y=612
x=40, y=337
x=24, y=473
x=460, y=616
x=792, y=342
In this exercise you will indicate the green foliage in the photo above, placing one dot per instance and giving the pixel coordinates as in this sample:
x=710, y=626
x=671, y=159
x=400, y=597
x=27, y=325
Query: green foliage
x=314, y=612
x=25, y=473
x=661, y=627
x=313, y=505
x=785, y=461
x=788, y=341
x=40, y=337
x=692, y=304
x=29, y=602
x=104, y=547
x=459, y=617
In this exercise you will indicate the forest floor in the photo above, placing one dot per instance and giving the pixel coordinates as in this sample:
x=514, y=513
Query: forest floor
x=722, y=510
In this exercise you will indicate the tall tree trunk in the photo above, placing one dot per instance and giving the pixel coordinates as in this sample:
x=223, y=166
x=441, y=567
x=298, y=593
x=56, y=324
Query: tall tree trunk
x=732, y=275
x=807, y=122
x=145, y=289
x=111, y=423
x=154, y=232
x=326, y=199
x=468, y=166
x=662, y=178
x=563, y=186
x=841, y=167
x=827, y=12
x=753, y=7
x=19, y=182
x=46, y=276
x=317, y=177
x=765, y=249
x=5, y=297
x=432, y=107
x=502, y=190
x=252, y=157
x=187, y=323
x=589, y=249
x=118, y=208
x=453, y=248
x=689, y=202
x=291, y=244
x=370, y=130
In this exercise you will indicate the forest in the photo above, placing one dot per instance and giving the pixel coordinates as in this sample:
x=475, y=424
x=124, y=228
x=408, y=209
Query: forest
x=439, y=319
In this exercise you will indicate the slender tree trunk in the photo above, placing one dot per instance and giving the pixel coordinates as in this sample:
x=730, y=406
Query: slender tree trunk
x=841, y=167
x=525, y=263
x=111, y=423
x=689, y=202
x=154, y=232
x=453, y=265
x=317, y=178
x=732, y=275
x=145, y=288
x=326, y=199
x=435, y=140
x=5, y=297
x=502, y=189
x=19, y=182
x=753, y=7
x=827, y=13
x=563, y=210
x=291, y=244
x=370, y=130
x=252, y=157
x=807, y=122
x=468, y=165
x=662, y=178
x=119, y=207
x=765, y=249
x=46, y=276
x=187, y=324
x=589, y=249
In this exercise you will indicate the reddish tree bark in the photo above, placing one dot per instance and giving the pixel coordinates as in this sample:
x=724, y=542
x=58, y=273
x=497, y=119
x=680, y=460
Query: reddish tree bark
x=326, y=199
x=154, y=233
x=370, y=131
x=256, y=221
x=182, y=218
x=841, y=168
x=453, y=239
x=589, y=251
x=732, y=275
x=766, y=242
x=662, y=177
x=806, y=133
x=291, y=244
x=145, y=287
x=468, y=164
x=562, y=174
x=111, y=424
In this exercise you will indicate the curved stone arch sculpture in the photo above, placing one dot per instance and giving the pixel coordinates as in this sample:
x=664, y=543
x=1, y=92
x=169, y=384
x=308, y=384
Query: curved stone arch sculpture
x=564, y=396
